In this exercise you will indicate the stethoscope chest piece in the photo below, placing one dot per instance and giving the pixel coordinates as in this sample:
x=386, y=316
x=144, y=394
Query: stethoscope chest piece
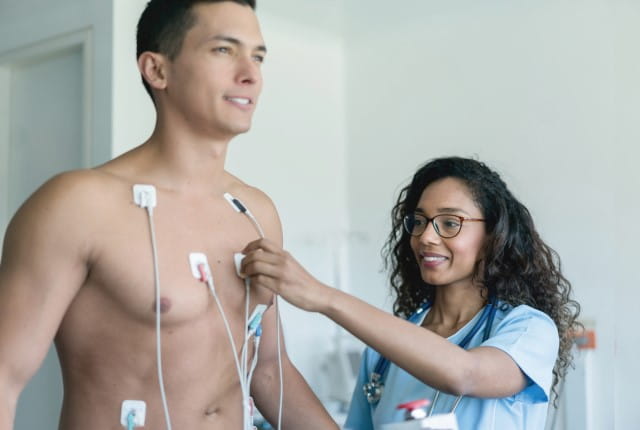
x=374, y=388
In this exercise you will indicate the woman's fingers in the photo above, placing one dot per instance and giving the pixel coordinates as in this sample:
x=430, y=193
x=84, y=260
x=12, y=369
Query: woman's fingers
x=270, y=283
x=254, y=268
x=263, y=244
x=263, y=263
x=271, y=267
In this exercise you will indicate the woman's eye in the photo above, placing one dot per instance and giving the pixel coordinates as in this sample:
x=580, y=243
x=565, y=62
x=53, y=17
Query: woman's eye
x=222, y=49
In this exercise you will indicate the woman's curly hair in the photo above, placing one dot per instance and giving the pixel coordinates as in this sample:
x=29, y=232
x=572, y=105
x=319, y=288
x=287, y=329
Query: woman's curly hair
x=517, y=267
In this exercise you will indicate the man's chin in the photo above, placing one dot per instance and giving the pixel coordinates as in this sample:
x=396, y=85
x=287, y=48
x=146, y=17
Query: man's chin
x=244, y=129
x=240, y=127
x=232, y=131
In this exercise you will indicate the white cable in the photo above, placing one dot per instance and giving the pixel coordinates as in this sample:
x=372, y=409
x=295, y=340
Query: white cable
x=246, y=393
x=148, y=202
x=280, y=376
x=279, y=364
x=246, y=318
x=255, y=223
x=239, y=207
x=254, y=362
x=246, y=334
x=243, y=387
x=156, y=274
x=227, y=328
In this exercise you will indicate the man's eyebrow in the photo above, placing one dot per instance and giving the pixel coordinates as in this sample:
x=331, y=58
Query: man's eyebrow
x=234, y=41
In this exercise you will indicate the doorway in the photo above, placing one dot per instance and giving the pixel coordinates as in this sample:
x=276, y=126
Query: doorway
x=44, y=129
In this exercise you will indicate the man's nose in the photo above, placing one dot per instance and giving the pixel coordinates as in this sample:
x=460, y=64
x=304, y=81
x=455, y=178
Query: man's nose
x=248, y=70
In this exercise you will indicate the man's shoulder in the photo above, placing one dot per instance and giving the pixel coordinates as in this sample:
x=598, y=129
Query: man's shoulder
x=67, y=207
x=260, y=204
x=250, y=194
x=65, y=194
x=77, y=185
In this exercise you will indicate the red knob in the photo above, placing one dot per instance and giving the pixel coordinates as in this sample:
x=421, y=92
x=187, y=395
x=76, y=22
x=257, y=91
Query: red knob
x=416, y=404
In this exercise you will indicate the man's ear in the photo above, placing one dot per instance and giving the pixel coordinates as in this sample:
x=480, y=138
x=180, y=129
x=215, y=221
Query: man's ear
x=153, y=68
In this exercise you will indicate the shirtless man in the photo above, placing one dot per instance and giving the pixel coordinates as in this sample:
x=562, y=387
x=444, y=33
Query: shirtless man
x=77, y=262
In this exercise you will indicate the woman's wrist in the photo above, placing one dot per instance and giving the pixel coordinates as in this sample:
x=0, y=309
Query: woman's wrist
x=330, y=302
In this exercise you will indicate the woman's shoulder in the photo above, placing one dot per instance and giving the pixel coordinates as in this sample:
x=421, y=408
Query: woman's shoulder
x=530, y=337
x=509, y=315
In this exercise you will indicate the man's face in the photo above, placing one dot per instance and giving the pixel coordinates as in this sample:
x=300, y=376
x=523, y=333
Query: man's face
x=215, y=80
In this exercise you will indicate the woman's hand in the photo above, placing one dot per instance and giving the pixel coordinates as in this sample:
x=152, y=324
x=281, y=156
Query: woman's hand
x=271, y=267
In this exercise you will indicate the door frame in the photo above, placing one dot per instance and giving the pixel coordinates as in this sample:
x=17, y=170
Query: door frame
x=8, y=60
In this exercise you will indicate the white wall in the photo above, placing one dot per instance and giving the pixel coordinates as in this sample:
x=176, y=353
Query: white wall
x=133, y=114
x=547, y=93
x=27, y=22
x=359, y=93
x=625, y=186
x=28, y=26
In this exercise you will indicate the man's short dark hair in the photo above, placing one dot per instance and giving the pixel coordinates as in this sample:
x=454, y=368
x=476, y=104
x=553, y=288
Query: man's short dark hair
x=164, y=23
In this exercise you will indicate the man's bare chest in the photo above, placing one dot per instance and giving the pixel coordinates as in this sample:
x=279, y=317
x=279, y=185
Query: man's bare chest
x=136, y=253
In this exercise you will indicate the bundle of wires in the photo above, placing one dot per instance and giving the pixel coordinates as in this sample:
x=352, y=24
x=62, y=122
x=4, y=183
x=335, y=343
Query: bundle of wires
x=252, y=328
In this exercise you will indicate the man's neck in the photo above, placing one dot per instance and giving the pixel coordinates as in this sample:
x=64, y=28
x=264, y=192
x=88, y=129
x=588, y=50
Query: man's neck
x=185, y=162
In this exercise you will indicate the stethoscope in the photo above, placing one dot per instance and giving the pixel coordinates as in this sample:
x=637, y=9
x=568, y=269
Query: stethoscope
x=374, y=388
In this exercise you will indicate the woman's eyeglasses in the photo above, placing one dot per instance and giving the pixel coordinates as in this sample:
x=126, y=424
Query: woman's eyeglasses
x=445, y=225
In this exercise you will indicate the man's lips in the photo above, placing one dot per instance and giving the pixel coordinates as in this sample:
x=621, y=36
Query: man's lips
x=243, y=101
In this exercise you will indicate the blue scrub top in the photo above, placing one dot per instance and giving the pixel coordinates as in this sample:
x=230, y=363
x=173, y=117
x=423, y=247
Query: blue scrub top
x=529, y=336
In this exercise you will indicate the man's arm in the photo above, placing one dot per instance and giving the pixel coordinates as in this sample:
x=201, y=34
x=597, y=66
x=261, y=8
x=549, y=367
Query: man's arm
x=301, y=408
x=43, y=266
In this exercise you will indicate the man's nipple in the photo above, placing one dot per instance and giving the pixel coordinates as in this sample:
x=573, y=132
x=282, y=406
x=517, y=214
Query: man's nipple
x=165, y=305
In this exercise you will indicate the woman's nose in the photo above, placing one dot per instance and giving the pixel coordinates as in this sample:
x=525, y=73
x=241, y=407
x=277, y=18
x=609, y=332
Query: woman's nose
x=430, y=235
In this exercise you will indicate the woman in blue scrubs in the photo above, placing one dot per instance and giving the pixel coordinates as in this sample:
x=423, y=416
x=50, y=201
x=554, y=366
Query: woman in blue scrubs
x=482, y=314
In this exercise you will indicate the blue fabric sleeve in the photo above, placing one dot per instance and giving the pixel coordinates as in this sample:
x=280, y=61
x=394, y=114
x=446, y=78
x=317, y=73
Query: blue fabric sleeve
x=359, y=416
x=530, y=337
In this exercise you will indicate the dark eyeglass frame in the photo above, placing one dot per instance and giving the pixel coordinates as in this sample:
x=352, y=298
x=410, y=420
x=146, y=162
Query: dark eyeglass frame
x=405, y=222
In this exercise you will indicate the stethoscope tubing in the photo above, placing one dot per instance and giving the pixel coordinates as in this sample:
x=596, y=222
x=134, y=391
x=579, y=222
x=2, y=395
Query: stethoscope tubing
x=380, y=369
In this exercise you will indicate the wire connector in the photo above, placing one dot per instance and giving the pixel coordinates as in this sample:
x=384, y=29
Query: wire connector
x=235, y=203
x=255, y=320
x=237, y=259
x=144, y=195
x=199, y=266
x=133, y=408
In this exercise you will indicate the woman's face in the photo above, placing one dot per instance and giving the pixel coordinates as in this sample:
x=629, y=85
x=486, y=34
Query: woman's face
x=449, y=262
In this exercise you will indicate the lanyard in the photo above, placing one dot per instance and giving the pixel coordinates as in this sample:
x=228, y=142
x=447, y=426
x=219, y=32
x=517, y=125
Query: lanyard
x=374, y=388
